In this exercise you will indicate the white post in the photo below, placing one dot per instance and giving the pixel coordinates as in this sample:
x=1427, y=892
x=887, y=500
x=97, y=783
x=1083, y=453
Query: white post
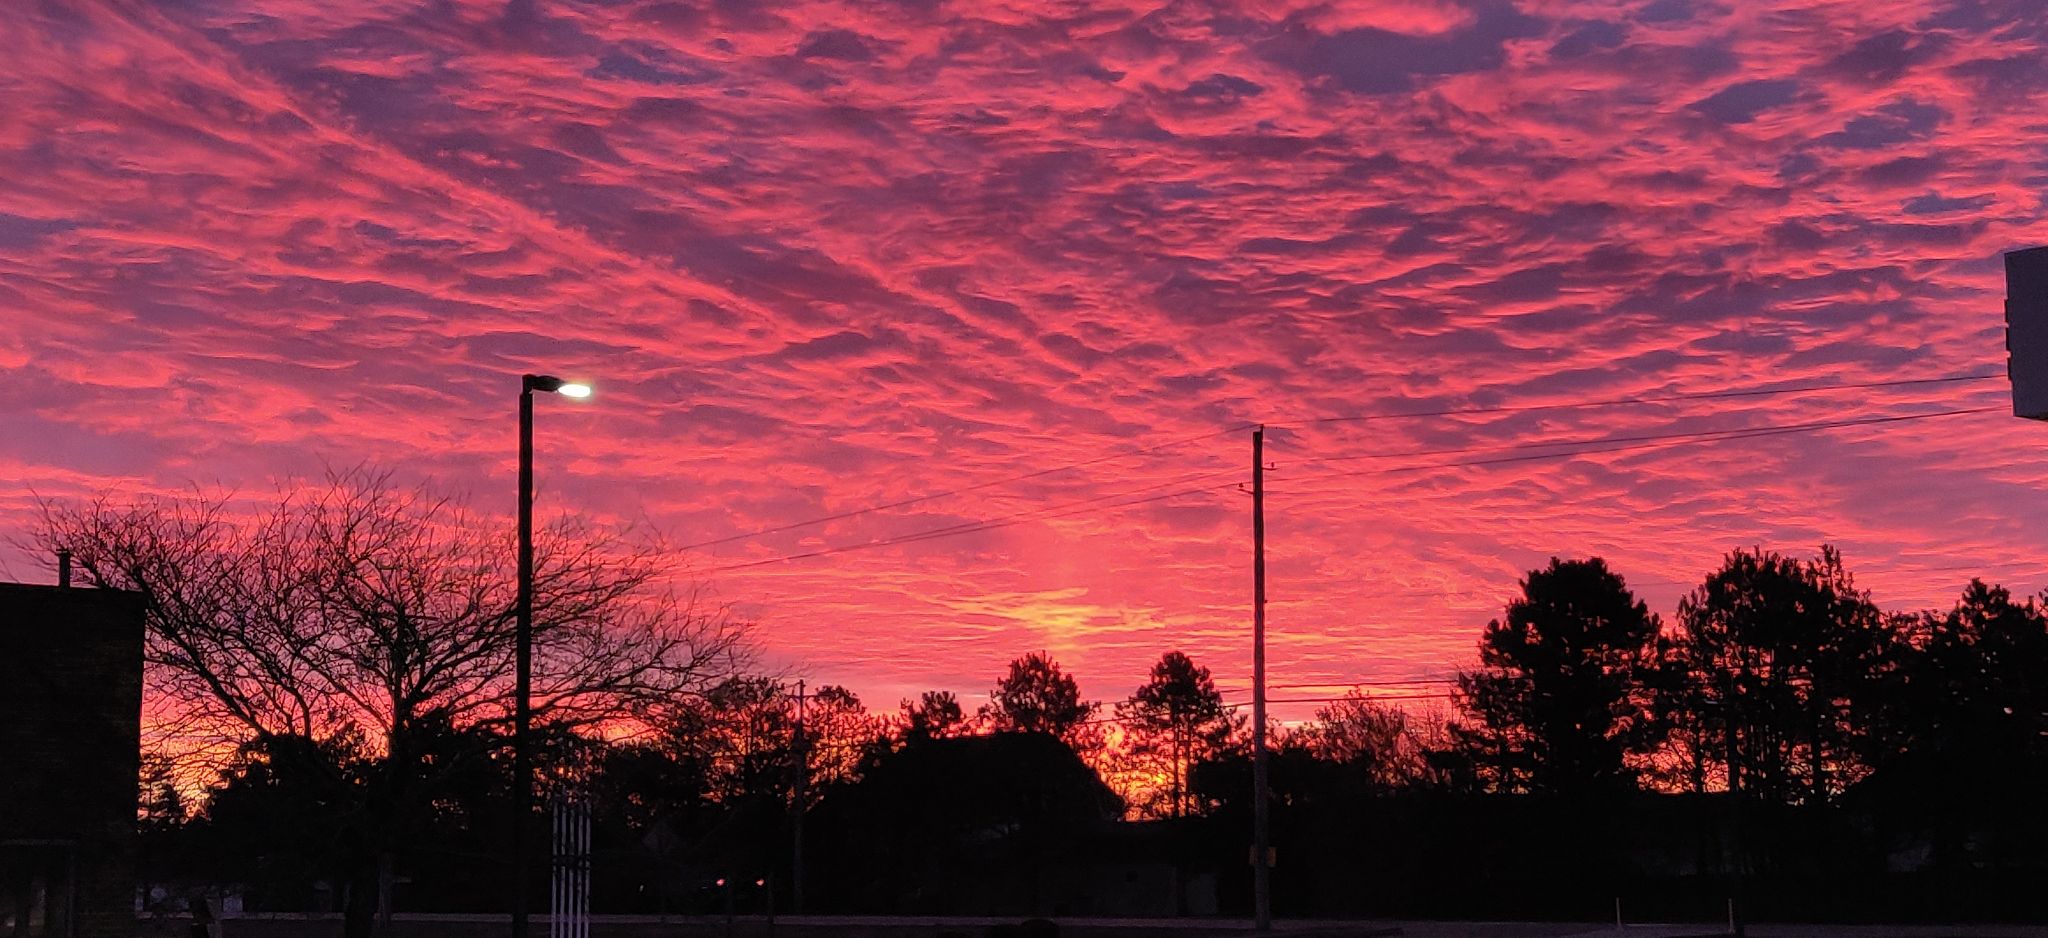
x=583, y=918
x=569, y=898
x=555, y=868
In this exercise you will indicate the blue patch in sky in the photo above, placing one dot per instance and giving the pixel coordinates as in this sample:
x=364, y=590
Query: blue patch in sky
x=1741, y=103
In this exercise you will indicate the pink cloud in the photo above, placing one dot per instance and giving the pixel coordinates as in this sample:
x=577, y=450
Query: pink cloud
x=825, y=255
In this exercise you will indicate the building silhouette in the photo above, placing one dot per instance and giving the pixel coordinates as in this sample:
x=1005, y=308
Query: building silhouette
x=70, y=723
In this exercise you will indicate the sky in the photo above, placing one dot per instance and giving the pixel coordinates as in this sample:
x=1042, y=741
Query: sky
x=823, y=256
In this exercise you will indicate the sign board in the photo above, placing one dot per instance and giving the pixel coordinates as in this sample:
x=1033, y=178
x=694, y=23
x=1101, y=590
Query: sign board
x=2026, y=331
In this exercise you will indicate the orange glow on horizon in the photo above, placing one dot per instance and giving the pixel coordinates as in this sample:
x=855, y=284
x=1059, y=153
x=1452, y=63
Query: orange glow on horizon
x=826, y=260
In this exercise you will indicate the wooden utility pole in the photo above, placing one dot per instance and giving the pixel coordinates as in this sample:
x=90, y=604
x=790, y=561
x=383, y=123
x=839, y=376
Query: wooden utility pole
x=803, y=779
x=1262, y=843
x=1738, y=908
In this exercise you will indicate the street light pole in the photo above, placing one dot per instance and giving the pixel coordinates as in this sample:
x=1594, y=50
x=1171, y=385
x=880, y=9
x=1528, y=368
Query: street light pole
x=522, y=705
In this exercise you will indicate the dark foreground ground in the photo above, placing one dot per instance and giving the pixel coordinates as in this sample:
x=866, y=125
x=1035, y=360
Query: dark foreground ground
x=486, y=926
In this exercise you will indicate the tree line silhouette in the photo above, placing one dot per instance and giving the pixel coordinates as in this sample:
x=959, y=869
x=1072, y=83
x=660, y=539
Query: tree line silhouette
x=332, y=681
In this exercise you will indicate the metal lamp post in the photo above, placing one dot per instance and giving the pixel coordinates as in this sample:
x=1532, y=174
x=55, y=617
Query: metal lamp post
x=522, y=758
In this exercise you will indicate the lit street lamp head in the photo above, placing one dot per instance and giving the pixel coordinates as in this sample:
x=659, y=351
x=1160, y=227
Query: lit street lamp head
x=522, y=695
x=555, y=385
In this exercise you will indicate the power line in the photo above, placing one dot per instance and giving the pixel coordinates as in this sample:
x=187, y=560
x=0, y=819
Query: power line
x=1409, y=683
x=1542, y=444
x=1652, y=399
x=2032, y=567
x=1372, y=698
x=1170, y=444
x=1489, y=675
x=1039, y=473
x=933, y=496
x=1067, y=509
x=1593, y=446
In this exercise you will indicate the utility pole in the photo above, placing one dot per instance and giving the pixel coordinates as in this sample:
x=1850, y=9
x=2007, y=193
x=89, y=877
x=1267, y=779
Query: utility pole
x=1262, y=843
x=1738, y=904
x=803, y=779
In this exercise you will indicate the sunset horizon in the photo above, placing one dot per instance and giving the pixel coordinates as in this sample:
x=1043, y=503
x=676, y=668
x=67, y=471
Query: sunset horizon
x=1134, y=460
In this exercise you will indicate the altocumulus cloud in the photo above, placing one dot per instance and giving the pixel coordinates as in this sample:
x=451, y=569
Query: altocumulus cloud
x=822, y=255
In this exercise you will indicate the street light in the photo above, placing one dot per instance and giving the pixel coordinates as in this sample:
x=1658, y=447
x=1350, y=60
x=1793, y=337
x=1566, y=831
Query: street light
x=522, y=706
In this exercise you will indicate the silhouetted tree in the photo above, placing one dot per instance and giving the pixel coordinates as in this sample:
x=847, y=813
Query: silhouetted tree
x=163, y=807
x=644, y=785
x=163, y=823
x=1776, y=663
x=935, y=715
x=367, y=607
x=1960, y=744
x=1976, y=682
x=1175, y=719
x=842, y=738
x=744, y=732
x=1554, y=706
x=1373, y=743
x=1036, y=696
x=316, y=790
x=652, y=812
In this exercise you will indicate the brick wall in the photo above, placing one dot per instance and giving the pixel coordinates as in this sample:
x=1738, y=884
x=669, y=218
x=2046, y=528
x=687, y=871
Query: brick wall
x=70, y=722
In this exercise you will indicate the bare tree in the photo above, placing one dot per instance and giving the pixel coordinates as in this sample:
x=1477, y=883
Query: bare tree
x=840, y=736
x=367, y=606
x=1378, y=743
